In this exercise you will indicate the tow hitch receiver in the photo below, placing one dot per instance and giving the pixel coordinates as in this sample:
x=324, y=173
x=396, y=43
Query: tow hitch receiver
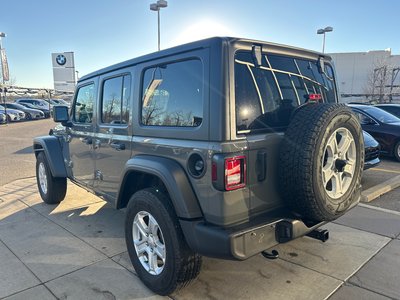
x=319, y=234
x=289, y=229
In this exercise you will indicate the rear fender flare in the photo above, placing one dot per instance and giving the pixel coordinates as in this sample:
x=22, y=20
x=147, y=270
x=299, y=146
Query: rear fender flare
x=173, y=177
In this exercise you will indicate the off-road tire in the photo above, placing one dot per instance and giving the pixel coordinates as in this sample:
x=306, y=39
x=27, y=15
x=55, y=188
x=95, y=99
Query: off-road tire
x=182, y=265
x=56, y=187
x=302, y=158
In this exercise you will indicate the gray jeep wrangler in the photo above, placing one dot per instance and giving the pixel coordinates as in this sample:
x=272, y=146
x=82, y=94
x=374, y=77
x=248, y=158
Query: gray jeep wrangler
x=223, y=147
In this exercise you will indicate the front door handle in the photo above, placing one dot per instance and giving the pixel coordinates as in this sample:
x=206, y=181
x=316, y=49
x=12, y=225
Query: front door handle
x=117, y=146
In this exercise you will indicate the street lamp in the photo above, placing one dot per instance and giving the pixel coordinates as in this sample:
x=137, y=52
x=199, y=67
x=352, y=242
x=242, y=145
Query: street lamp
x=2, y=34
x=323, y=31
x=156, y=7
x=4, y=90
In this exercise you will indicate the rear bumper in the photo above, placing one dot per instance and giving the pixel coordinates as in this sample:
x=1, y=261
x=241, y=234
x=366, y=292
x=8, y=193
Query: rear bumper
x=242, y=242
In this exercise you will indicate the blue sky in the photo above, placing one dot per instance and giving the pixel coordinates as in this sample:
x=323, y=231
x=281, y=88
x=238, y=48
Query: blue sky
x=102, y=32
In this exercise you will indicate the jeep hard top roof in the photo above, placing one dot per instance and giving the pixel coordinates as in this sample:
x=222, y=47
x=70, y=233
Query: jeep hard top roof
x=206, y=43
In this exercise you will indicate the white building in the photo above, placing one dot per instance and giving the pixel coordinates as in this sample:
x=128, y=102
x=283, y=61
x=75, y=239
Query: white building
x=357, y=70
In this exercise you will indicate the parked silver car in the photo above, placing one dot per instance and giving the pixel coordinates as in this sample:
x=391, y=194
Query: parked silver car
x=30, y=113
x=3, y=118
x=13, y=114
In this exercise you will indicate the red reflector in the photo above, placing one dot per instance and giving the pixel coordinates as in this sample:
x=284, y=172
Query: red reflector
x=235, y=173
x=314, y=97
x=214, y=172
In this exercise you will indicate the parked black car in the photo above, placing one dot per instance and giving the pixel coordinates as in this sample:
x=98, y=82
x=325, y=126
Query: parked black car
x=383, y=126
x=30, y=113
x=392, y=108
x=371, y=147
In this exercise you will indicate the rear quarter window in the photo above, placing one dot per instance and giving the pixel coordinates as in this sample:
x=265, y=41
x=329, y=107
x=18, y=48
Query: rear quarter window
x=172, y=94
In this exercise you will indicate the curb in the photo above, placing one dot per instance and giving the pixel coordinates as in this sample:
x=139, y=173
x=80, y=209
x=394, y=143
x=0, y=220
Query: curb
x=380, y=189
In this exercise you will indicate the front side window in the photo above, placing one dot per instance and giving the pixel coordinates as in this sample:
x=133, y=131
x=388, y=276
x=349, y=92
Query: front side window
x=115, y=103
x=363, y=119
x=83, y=108
x=172, y=94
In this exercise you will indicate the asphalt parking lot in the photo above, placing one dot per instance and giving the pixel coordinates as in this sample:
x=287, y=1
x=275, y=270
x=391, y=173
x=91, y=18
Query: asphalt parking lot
x=76, y=250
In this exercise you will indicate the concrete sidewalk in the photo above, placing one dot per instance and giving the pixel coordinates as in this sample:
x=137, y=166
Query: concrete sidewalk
x=76, y=250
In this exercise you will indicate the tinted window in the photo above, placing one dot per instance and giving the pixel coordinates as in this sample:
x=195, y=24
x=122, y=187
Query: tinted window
x=248, y=103
x=381, y=115
x=172, y=94
x=363, y=119
x=83, y=107
x=115, y=104
x=285, y=83
x=283, y=63
x=258, y=101
x=267, y=96
x=300, y=86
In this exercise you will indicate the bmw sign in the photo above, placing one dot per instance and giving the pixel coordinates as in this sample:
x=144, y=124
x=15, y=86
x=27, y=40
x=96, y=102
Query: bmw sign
x=61, y=60
x=63, y=71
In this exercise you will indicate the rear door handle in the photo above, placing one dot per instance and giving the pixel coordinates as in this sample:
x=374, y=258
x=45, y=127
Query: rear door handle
x=117, y=146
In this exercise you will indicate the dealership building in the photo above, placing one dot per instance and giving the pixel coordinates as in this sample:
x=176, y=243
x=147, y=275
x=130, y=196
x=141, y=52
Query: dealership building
x=367, y=76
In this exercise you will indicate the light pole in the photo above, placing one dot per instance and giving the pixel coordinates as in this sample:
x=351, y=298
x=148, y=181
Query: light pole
x=2, y=34
x=156, y=7
x=323, y=31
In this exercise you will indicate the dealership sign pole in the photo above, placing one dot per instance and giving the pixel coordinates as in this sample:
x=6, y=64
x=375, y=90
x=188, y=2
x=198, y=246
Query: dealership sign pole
x=4, y=72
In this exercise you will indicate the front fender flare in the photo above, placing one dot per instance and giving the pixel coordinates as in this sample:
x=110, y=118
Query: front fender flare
x=174, y=178
x=52, y=149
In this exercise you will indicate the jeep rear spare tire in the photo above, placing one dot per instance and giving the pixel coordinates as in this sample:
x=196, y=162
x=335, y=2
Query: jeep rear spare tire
x=321, y=161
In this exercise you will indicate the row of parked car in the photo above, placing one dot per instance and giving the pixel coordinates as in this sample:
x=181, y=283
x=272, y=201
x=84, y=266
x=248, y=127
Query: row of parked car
x=28, y=109
x=382, y=122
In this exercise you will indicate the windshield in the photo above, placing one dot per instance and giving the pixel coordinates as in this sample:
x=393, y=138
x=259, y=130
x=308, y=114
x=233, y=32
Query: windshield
x=28, y=105
x=266, y=96
x=381, y=115
x=15, y=105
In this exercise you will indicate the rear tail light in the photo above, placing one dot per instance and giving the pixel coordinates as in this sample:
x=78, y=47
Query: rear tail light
x=235, y=172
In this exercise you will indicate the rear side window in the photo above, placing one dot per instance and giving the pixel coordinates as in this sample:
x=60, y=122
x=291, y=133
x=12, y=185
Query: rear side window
x=172, y=94
x=265, y=97
x=83, y=107
x=115, y=100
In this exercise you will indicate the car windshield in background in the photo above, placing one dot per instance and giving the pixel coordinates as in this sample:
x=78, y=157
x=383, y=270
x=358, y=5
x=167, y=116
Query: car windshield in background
x=16, y=106
x=266, y=96
x=381, y=115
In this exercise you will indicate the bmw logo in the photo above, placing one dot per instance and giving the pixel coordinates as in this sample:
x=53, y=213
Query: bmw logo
x=61, y=60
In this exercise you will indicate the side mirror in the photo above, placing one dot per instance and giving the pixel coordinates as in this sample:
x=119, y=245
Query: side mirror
x=60, y=114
